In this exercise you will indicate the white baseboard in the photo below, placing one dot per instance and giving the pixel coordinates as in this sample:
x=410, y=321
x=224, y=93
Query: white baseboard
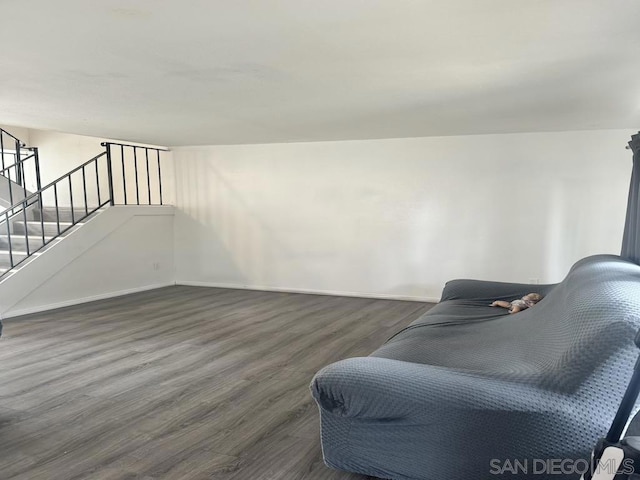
x=309, y=292
x=77, y=301
x=118, y=293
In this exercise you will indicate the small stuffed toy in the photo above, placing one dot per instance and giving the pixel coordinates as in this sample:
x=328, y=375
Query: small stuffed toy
x=516, y=306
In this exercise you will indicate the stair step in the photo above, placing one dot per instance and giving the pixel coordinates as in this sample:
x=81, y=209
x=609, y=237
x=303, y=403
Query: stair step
x=19, y=242
x=5, y=259
x=15, y=252
x=64, y=214
x=36, y=228
x=32, y=231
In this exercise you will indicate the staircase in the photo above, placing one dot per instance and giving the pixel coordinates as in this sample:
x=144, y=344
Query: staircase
x=121, y=174
x=31, y=238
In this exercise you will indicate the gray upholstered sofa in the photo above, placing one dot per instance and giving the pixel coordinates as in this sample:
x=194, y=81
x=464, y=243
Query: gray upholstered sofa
x=467, y=387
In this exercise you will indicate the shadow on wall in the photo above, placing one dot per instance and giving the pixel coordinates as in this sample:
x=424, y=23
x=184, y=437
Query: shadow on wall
x=397, y=217
x=186, y=234
x=579, y=219
x=227, y=242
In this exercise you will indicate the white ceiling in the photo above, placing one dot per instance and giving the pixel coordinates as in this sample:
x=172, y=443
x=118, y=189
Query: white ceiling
x=196, y=72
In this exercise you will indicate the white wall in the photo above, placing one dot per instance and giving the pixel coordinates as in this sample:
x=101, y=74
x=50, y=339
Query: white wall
x=391, y=218
x=19, y=132
x=122, y=250
x=398, y=218
x=61, y=152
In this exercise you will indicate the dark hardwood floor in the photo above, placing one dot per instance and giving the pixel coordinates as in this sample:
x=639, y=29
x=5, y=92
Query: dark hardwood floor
x=179, y=383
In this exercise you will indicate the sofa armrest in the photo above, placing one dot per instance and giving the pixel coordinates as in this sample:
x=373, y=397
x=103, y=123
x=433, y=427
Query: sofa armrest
x=382, y=388
x=486, y=290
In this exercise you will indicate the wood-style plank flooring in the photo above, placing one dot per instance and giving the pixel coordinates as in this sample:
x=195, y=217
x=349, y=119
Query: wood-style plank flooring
x=179, y=383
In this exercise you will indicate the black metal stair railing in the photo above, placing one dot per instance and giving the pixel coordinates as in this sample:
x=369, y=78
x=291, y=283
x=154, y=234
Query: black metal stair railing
x=18, y=162
x=142, y=162
x=121, y=175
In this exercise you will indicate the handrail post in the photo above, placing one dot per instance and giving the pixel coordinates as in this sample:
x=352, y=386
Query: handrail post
x=107, y=146
x=37, y=162
x=2, y=147
x=18, y=165
x=159, y=177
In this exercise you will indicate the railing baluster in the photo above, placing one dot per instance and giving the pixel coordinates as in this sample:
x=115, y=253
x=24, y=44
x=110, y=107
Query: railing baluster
x=24, y=181
x=109, y=173
x=146, y=154
x=84, y=187
x=41, y=215
x=98, y=182
x=19, y=172
x=36, y=155
x=26, y=227
x=10, y=187
x=124, y=180
x=55, y=199
x=2, y=149
x=6, y=216
x=73, y=217
x=159, y=177
x=36, y=159
x=135, y=166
